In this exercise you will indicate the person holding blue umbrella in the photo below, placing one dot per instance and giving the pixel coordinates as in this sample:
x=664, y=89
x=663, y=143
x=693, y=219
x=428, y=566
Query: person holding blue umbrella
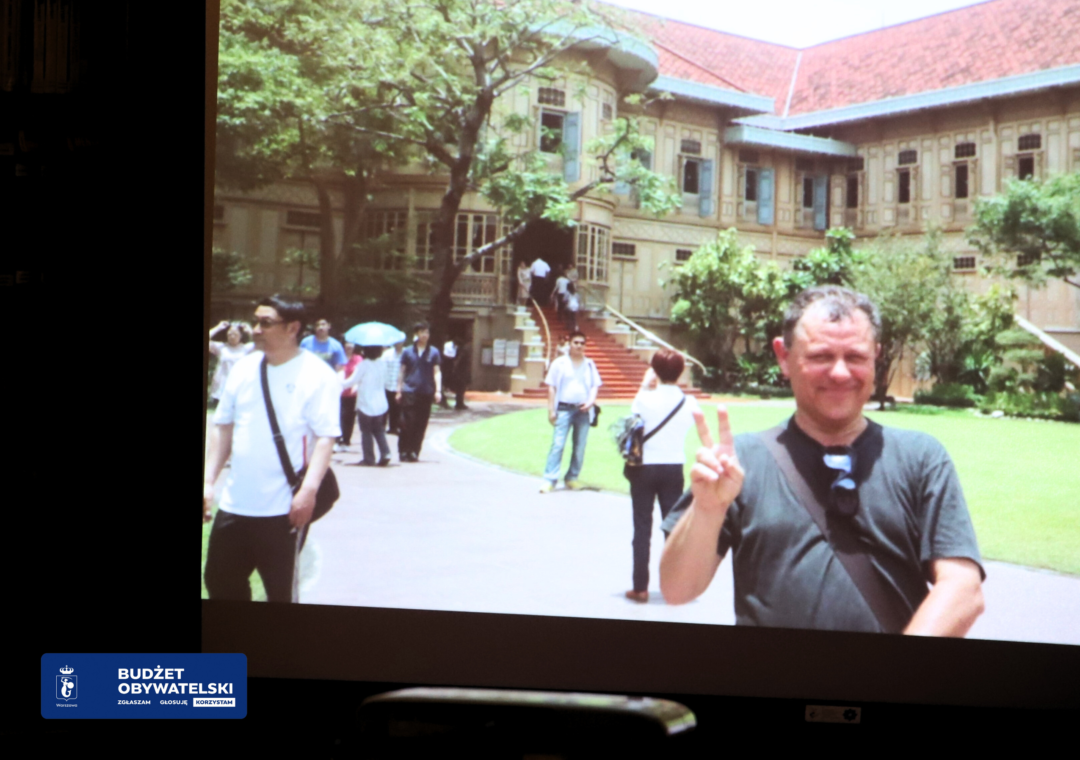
x=370, y=381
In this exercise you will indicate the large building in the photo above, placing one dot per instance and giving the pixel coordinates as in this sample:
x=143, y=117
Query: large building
x=893, y=129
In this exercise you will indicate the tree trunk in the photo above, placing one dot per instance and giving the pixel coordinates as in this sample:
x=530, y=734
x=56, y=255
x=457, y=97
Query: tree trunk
x=327, y=250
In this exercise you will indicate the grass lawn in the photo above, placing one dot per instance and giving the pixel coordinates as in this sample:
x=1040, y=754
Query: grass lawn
x=1019, y=476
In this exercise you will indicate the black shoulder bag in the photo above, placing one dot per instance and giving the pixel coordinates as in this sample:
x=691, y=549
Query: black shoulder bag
x=632, y=441
x=880, y=597
x=328, y=492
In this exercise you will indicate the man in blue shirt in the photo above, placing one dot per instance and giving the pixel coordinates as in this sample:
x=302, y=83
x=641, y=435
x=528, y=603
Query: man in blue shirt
x=322, y=345
x=419, y=385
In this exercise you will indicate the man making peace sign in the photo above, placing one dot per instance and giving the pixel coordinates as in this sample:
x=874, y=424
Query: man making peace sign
x=890, y=546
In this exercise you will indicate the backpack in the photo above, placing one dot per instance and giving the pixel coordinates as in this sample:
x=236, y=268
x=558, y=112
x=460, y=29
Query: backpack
x=630, y=435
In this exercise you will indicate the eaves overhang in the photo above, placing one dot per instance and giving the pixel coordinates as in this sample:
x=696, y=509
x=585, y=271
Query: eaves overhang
x=768, y=138
x=706, y=94
x=949, y=96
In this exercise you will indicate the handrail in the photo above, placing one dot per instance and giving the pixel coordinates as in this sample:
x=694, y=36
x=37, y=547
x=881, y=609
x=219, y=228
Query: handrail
x=547, y=333
x=647, y=333
x=1047, y=341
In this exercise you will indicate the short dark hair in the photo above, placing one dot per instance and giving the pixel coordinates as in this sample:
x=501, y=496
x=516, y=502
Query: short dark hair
x=371, y=352
x=667, y=365
x=420, y=326
x=322, y=318
x=578, y=334
x=840, y=303
x=289, y=311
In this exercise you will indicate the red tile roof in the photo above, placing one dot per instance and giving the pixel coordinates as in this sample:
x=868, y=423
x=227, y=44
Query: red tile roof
x=995, y=39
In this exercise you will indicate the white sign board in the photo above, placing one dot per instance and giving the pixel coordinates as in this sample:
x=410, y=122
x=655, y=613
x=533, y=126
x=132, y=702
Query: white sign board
x=498, y=355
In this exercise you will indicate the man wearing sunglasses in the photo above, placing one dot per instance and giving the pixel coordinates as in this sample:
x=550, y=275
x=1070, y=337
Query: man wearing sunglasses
x=889, y=546
x=573, y=383
x=260, y=523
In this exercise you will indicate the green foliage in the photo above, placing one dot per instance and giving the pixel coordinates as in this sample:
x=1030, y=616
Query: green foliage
x=1032, y=230
x=1038, y=404
x=949, y=394
x=910, y=283
x=228, y=270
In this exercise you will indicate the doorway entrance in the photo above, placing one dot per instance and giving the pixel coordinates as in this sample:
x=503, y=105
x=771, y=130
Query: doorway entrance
x=545, y=240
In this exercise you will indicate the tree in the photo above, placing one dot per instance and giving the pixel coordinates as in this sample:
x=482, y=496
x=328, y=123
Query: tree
x=432, y=74
x=909, y=282
x=283, y=67
x=1032, y=231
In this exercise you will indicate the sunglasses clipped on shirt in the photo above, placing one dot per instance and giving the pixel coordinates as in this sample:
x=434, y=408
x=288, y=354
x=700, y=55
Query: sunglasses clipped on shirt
x=843, y=493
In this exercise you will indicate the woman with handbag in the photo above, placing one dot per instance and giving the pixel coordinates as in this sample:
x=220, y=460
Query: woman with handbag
x=668, y=414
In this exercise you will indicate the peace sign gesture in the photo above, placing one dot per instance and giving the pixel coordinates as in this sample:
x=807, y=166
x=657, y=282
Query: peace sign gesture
x=717, y=477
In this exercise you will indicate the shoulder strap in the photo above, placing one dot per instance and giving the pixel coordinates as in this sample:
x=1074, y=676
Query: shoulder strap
x=671, y=414
x=839, y=533
x=279, y=439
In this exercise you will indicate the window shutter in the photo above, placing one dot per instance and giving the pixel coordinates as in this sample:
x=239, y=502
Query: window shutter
x=705, y=197
x=821, y=196
x=572, y=147
x=765, y=196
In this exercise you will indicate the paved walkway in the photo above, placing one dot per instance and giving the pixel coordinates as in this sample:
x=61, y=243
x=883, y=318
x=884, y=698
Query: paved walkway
x=453, y=533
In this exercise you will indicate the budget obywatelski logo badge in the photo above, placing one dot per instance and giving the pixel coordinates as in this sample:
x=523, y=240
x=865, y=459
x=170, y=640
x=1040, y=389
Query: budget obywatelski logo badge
x=67, y=685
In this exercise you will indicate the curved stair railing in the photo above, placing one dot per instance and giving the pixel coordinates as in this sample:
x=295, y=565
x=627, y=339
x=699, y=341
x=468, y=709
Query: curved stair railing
x=547, y=334
x=647, y=334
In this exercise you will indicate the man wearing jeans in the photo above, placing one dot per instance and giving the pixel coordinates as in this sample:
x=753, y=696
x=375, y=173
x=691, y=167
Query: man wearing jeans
x=573, y=382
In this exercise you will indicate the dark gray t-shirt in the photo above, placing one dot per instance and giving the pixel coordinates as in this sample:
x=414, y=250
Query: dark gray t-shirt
x=911, y=511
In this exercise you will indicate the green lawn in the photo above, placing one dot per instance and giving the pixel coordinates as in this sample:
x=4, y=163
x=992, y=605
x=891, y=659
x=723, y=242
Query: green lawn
x=1019, y=476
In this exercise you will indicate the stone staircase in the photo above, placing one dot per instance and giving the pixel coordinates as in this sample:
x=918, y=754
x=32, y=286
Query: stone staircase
x=620, y=354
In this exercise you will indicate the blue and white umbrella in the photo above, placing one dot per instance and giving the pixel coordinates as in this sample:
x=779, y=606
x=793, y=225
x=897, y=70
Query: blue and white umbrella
x=374, y=334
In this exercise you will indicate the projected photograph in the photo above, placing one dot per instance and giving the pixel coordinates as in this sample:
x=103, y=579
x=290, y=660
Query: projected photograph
x=567, y=309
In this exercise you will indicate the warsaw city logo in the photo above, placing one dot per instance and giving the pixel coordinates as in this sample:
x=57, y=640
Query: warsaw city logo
x=67, y=685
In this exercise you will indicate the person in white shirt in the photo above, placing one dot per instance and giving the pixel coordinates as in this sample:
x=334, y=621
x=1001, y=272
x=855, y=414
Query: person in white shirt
x=524, y=276
x=237, y=345
x=392, y=359
x=663, y=456
x=260, y=523
x=371, y=405
x=561, y=293
x=573, y=383
x=539, y=285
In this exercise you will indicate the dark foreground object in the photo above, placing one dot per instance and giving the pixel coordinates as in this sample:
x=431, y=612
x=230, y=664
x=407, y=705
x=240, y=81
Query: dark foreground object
x=504, y=723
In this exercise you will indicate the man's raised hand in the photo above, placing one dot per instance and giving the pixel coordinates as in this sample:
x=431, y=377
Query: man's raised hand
x=717, y=477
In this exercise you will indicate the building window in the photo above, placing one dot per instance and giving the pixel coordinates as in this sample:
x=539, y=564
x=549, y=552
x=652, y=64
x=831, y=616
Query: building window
x=1029, y=142
x=905, y=186
x=693, y=147
x=908, y=157
x=682, y=255
x=551, y=96
x=384, y=232
x=303, y=219
x=691, y=179
x=472, y=232
x=961, y=180
x=592, y=252
x=749, y=157
x=551, y=131
x=425, y=242
x=606, y=111
x=963, y=263
x=808, y=192
x=964, y=150
x=1025, y=166
x=751, y=186
x=852, y=199
x=623, y=251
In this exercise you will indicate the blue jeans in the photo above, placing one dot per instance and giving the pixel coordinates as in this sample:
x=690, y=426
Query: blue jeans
x=564, y=419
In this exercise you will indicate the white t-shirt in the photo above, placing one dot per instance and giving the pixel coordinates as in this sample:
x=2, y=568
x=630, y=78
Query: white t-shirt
x=227, y=358
x=449, y=349
x=540, y=268
x=561, y=285
x=573, y=385
x=370, y=377
x=668, y=445
x=307, y=403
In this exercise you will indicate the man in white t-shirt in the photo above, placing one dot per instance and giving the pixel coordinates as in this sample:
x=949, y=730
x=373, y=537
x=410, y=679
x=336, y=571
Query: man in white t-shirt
x=538, y=288
x=260, y=523
x=573, y=382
